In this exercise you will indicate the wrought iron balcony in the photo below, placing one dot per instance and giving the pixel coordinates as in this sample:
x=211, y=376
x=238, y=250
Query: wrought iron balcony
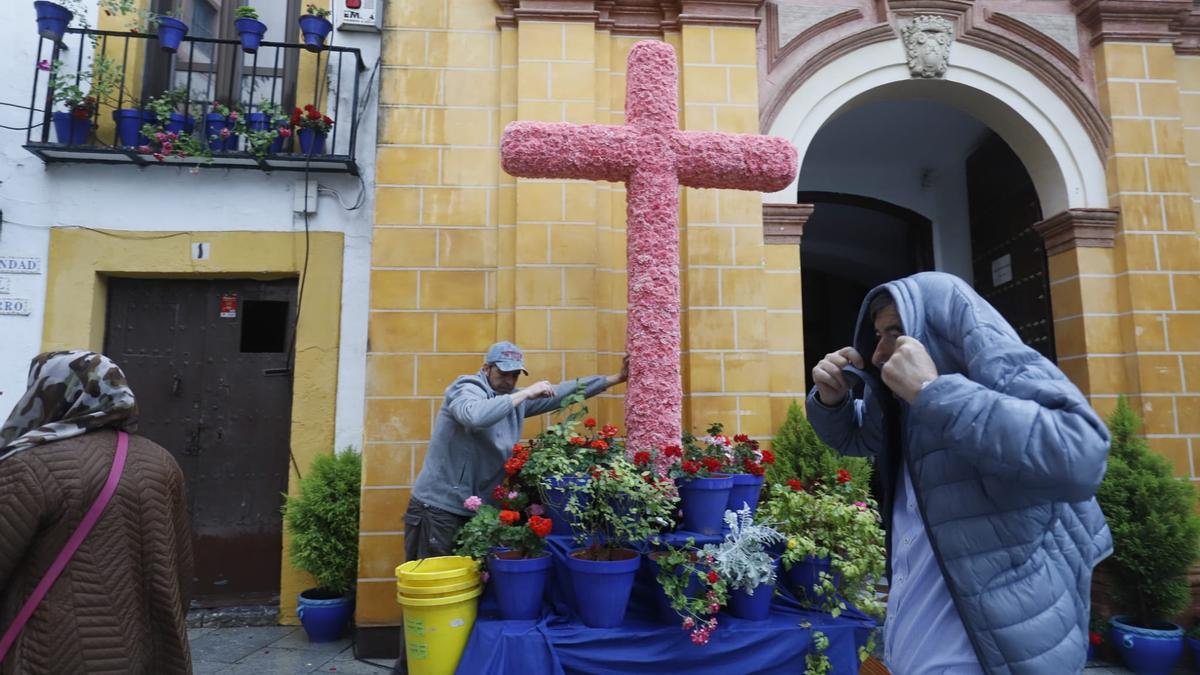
x=128, y=77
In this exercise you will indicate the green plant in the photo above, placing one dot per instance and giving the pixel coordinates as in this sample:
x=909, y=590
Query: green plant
x=164, y=143
x=258, y=142
x=84, y=93
x=323, y=521
x=311, y=118
x=742, y=558
x=701, y=457
x=1155, y=529
x=491, y=528
x=621, y=504
x=246, y=12
x=564, y=449
x=314, y=10
x=838, y=522
x=677, y=568
x=801, y=455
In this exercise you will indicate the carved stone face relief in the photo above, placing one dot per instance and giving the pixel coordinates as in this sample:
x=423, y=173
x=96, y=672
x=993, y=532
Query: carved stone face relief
x=927, y=43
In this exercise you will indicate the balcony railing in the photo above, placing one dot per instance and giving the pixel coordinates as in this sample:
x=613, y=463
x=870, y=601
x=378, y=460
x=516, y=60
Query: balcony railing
x=259, y=86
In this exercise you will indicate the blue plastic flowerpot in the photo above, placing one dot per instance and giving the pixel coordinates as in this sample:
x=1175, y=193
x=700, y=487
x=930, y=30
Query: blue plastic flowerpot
x=311, y=142
x=662, y=603
x=129, y=127
x=805, y=581
x=52, y=19
x=71, y=130
x=148, y=117
x=180, y=124
x=1147, y=651
x=602, y=587
x=258, y=121
x=213, y=124
x=755, y=607
x=170, y=33
x=558, y=490
x=315, y=30
x=703, y=501
x=251, y=32
x=324, y=620
x=746, y=489
x=520, y=583
x=1091, y=653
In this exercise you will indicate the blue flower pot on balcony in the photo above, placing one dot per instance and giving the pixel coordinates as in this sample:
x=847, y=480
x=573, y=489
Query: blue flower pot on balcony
x=129, y=126
x=258, y=121
x=251, y=32
x=71, y=130
x=180, y=124
x=312, y=142
x=170, y=33
x=214, y=123
x=52, y=19
x=315, y=30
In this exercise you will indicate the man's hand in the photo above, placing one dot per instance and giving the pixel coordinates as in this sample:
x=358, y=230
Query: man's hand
x=614, y=380
x=832, y=385
x=541, y=389
x=909, y=369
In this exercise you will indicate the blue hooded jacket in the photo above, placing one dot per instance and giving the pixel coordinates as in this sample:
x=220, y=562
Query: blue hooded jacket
x=1005, y=456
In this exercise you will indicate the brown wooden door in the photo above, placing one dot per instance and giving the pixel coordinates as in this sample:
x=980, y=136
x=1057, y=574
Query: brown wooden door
x=207, y=361
x=1008, y=255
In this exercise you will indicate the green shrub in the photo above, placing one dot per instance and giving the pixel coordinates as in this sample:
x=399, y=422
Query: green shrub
x=799, y=453
x=323, y=521
x=1152, y=515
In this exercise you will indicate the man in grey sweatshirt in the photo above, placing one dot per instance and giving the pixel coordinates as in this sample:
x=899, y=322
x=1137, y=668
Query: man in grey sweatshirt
x=476, y=428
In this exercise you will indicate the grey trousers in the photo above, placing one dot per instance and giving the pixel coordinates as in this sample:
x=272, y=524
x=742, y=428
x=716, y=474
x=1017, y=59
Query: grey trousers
x=429, y=531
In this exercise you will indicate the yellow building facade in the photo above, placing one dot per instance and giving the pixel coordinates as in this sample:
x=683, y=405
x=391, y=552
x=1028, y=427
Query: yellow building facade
x=464, y=255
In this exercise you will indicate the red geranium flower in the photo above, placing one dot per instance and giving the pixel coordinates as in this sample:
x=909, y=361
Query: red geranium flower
x=510, y=517
x=608, y=431
x=843, y=476
x=540, y=526
x=309, y=106
x=327, y=120
x=796, y=485
x=712, y=577
x=711, y=463
x=690, y=466
x=590, y=422
x=579, y=440
x=768, y=457
x=1095, y=638
x=499, y=493
x=741, y=438
x=672, y=451
x=641, y=458
x=599, y=445
x=754, y=468
x=313, y=115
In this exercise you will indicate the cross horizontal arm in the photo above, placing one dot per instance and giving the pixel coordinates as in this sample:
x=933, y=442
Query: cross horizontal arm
x=733, y=161
x=563, y=150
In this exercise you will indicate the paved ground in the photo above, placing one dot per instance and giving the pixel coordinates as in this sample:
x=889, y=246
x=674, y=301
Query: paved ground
x=274, y=649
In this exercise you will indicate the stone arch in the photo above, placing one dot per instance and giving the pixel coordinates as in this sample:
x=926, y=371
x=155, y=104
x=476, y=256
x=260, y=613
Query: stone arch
x=1042, y=129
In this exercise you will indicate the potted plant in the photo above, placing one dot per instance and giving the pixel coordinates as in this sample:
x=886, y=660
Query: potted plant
x=52, y=19
x=745, y=564
x=313, y=127
x=511, y=543
x=73, y=125
x=249, y=28
x=1155, y=529
x=835, y=546
x=1098, y=631
x=266, y=130
x=689, y=588
x=621, y=504
x=219, y=126
x=315, y=25
x=747, y=467
x=323, y=522
x=699, y=469
x=168, y=132
x=800, y=455
x=170, y=30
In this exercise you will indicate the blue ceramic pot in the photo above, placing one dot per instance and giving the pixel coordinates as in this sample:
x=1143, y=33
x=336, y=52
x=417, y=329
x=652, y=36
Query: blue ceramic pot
x=71, y=130
x=170, y=33
x=1147, y=651
x=52, y=19
x=602, y=587
x=745, y=491
x=251, y=32
x=519, y=584
x=703, y=501
x=315, y=30
x=324, y=619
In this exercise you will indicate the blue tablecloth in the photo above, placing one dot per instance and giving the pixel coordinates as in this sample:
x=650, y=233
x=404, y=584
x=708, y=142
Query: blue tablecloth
x=644, y=643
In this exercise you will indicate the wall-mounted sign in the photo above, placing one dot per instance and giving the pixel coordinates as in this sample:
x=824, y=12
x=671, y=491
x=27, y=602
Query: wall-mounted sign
x=1002, y=270
x=201, y=250
x=229, y=304
x=5, y=285
x=14, y=265
x=358, y=15
x=15, y=307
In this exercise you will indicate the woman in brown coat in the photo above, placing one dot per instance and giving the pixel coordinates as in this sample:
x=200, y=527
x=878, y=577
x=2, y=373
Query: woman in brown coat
x=118, y=606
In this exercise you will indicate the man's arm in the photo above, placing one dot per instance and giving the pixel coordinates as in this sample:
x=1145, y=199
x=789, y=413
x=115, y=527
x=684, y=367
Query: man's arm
x=852, y=427
x=591, y=386
x=469, y=405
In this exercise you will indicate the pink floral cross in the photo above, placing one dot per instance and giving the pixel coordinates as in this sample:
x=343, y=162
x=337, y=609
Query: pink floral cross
x=653, y=158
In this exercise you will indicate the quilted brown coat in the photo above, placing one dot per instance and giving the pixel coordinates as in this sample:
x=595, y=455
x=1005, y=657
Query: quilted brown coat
x=119, y=605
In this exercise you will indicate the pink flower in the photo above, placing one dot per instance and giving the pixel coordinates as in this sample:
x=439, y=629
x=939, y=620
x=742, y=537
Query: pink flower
x=536, y=510
x=714, y=608
x=158, y=156
x=861, y=505
x=472, y=503
x=166, y=148
x=143, y=149
x=514, y=494
x=688, y=623
x=285, y=132
x=225, y=133
x=160, y=137
x=233, y=116
x=44, y=64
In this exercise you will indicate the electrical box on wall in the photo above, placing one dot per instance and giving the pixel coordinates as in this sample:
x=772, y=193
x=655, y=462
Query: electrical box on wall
x=358, y=14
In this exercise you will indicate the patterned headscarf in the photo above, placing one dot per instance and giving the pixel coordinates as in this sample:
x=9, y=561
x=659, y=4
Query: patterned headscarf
x=70, y=394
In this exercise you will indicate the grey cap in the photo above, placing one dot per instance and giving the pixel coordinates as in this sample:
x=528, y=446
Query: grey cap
x=507, y=357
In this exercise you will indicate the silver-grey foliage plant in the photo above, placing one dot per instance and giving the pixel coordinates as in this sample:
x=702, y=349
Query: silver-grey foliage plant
x=742, y=559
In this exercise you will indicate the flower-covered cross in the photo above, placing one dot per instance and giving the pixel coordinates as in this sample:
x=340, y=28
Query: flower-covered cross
x=653, y=158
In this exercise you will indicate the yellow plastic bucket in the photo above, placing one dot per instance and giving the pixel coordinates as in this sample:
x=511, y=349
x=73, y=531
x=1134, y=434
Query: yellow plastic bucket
x=439, y=571
x=436, y=630
x=435, y=591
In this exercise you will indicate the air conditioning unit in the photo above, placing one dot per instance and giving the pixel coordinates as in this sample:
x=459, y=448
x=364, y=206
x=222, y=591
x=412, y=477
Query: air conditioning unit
x=358, y=14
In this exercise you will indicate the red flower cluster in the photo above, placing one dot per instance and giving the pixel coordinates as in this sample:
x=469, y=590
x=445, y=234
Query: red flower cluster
x=590, y=423
x=690, y=466
x=641, y=458
x=672, y=451
x=741, y=438
x=517, y=461
x=753, y=468
x=510, y=517
x=712, y=577
x=578, y=440
x=540, y=526
x=311, y=118
x=796, y=485
x=608, y=431
x=499, y=494
x=843, y=476
x=599, y=445
x=1095, y=638
x=768, y=457
x=712, y=464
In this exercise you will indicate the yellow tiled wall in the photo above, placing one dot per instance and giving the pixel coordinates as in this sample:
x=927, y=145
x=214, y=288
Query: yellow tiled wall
x=1131, y=319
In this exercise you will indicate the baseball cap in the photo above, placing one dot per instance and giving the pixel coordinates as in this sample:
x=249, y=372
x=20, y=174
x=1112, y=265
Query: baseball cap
x=507, y=357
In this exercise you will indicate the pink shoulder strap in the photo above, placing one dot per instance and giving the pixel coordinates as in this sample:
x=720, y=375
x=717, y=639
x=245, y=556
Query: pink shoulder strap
x=64, y=556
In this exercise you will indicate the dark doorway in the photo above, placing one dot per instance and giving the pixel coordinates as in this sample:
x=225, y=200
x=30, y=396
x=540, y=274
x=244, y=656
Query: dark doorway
x=207, y=360
x=1007, y=255
x=852, y=244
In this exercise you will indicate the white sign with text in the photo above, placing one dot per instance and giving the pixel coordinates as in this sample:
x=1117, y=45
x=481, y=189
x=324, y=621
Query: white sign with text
x=15, y=307
x=15, y=265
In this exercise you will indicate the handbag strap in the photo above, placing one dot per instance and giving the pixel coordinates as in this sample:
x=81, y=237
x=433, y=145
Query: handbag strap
x=64, y=556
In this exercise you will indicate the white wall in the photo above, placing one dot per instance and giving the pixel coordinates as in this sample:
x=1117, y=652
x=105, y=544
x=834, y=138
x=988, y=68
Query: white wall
x=35, y=197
